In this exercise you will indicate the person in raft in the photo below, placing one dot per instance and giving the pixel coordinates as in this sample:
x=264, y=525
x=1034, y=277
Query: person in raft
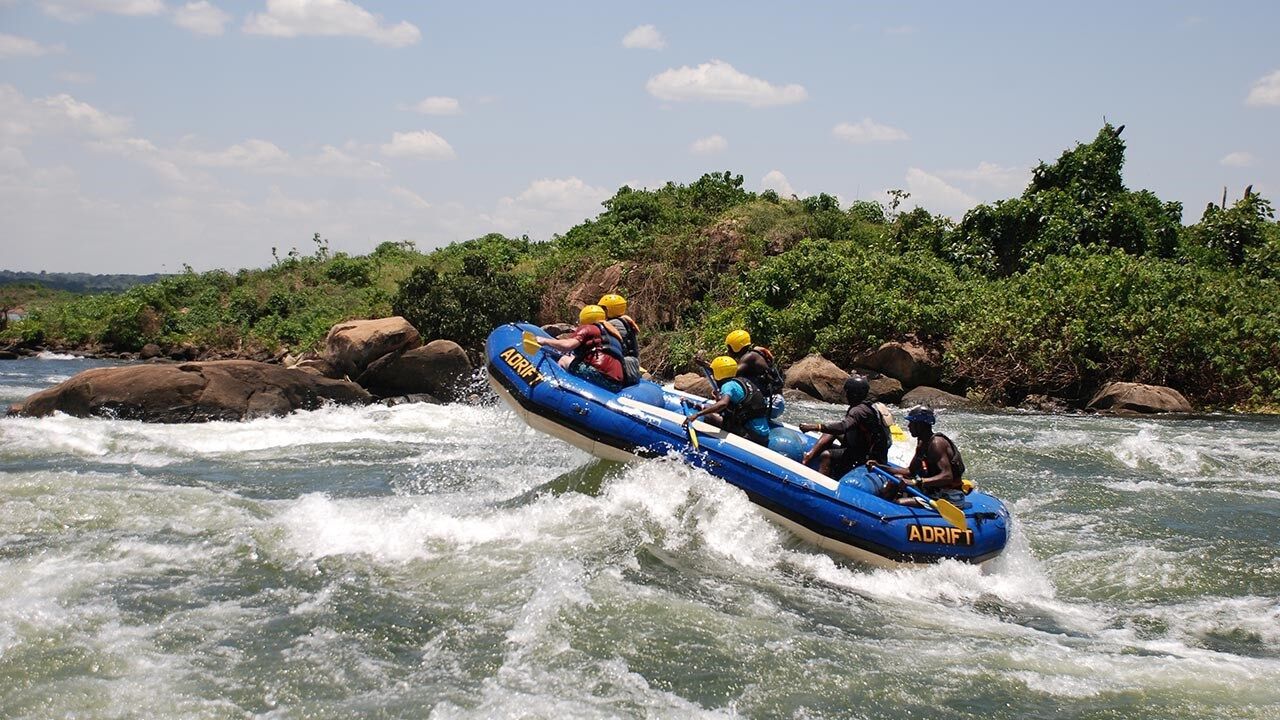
x=937, y=467
x=862, y=434
x=741, y=408
x=756, y=365
x=589, y=351
x=625, y=331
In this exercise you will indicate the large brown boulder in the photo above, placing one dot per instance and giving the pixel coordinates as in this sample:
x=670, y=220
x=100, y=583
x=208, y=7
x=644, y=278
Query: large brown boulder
x=934, y=398
x=694, y=384
x=1138, y=398
x=351, y=346
x=910, y=362
x=819, y=377
x=884, y=389
x=440, y=369
x=190, y=392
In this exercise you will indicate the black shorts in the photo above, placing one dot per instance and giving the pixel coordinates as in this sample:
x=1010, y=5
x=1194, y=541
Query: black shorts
x=842, y=461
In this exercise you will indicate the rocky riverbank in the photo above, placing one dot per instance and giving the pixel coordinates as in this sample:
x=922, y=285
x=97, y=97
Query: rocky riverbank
x=362, y=361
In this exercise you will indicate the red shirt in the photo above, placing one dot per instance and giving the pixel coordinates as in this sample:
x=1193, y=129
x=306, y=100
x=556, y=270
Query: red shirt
x=592, y=353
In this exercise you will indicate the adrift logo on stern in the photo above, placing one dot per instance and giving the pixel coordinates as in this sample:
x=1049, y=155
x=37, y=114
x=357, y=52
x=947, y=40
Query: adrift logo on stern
x=521, y=366
x=940, y=535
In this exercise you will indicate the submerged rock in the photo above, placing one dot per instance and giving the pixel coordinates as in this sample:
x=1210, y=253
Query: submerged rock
x=1139, y=398
x=190, y=392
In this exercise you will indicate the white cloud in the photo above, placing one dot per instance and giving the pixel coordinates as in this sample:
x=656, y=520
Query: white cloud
x=21, y=118
x=1238, y=159
x=868, y=131
x=991, y=175
x=76, y=10
x=1266, y=91
x=935, y=195
x=721, y=82
x=420, y=143
x=294, y=18
x=263, y=157
x=709, y=145
x=644, y=37
x=250, y=155
x=202, y=18
x=438, y=106
x=547, y=206
x=16, y=46
x=776, y=181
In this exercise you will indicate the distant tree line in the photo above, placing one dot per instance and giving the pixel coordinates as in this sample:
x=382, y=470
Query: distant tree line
x=77, y=282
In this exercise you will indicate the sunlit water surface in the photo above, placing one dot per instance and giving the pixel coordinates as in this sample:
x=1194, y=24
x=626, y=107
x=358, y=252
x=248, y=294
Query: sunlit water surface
x=448, y=562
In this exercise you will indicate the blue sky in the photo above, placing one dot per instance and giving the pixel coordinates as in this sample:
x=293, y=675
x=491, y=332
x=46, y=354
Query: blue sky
x=138, y=135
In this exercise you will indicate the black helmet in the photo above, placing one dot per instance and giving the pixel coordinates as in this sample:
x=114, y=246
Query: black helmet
x=856, y=389
x=922, y=414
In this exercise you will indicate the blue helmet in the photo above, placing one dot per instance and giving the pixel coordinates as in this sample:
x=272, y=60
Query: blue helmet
x=923, y=414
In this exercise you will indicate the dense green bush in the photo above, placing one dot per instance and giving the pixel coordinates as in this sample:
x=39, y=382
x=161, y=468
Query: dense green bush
x=465, y=305
x=1074, y=322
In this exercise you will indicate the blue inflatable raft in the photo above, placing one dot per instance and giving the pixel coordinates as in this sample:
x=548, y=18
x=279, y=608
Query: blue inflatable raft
x=644, y=421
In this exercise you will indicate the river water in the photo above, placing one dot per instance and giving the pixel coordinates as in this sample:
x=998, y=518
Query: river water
x=449, y=562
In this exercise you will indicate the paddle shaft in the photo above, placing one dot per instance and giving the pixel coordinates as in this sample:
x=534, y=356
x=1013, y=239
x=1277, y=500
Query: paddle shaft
x=947, y=510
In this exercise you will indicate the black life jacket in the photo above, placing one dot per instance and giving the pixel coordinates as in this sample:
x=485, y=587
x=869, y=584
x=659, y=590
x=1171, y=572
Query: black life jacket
x=628, y=332
x=872, y=435
x=769, y=381
x=920, y=463
x=754, y=405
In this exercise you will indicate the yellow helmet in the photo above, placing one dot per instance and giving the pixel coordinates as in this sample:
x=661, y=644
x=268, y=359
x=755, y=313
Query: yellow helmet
x=724, y=367
x=737, y=340
x=614, y=305
x=590, y=314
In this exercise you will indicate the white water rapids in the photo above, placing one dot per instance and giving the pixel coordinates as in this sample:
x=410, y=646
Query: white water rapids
x=448, y=562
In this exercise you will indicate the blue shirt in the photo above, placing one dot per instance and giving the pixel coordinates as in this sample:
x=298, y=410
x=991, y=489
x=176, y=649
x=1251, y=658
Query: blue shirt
x=732, y=389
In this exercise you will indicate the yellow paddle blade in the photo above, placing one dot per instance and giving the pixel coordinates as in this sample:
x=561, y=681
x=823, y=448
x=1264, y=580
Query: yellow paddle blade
x=530, y=342
x=693, y=437
x=896, y=433
x=951, y=513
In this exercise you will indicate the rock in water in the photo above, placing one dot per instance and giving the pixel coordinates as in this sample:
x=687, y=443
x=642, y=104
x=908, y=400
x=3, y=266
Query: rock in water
x=350, y=347
x=910, y=362
x=933, y=397
x=190, y=392
x=694, y=384
x=1139, y=398
x=440, y=368
x=818, y=377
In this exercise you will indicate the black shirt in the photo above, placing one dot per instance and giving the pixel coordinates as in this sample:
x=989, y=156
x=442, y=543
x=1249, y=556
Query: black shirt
x=862, y=433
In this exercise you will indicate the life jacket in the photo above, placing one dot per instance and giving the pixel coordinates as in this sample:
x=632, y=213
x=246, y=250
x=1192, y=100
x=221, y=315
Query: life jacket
x=610, y=343
x=921, y=467
x=615, y=345
x=769, y=381
x=628, y=332
x=873, y=435
x=754, y=405
x=603, y=344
